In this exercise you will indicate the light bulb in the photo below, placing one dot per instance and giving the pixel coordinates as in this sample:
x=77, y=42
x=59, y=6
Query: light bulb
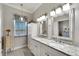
x=58, y=10
x=52, y=13
x=66, y=7
x=42, y=17
x=21, y=18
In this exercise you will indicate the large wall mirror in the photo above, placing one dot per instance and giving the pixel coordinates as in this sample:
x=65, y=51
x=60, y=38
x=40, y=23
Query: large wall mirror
x=43, y=28
x=63, y=23
x=61, y=26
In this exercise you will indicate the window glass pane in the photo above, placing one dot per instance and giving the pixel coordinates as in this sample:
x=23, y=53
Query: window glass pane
x=19, y=27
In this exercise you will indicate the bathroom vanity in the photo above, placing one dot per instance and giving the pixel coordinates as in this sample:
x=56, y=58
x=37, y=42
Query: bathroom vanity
x=56, y=38
x=42, y=48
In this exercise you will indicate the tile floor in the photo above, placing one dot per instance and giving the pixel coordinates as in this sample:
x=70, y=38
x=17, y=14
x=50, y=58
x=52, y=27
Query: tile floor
x=20, y=52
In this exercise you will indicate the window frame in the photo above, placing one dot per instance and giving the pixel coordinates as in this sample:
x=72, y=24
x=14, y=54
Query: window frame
x=19, y=31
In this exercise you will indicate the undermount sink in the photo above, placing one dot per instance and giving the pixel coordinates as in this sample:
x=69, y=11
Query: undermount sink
x=58, y=41
x=62, y=41
x=42, y=36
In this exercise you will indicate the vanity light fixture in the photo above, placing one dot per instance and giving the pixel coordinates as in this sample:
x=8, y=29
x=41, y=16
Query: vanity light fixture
x=52, y=13
x=21, y=12
x=38, y=19
x=21, y=18
x=41, y=18
x=66, y=7
x=58, y=10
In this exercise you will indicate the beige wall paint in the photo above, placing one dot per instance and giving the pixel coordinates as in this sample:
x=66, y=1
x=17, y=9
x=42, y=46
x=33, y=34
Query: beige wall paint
x=8, y=18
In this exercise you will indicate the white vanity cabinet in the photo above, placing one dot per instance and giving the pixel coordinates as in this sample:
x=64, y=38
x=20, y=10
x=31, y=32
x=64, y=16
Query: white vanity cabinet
x=53, y=52
x=34, y=47
x=40, y=49
x=48, y=51
x=43, y=50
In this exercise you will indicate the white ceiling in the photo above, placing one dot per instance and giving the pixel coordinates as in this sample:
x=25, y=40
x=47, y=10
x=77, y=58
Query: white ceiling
x=27, y=7
x=30, y=7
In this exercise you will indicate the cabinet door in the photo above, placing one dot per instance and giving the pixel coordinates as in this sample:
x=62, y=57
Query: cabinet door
x=48, y=51
x=43, y=49
x=29, y=43
x=55, y=28
x=36, y=48
x=53, y=52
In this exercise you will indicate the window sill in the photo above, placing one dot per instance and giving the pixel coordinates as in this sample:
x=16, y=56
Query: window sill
x=21, y=36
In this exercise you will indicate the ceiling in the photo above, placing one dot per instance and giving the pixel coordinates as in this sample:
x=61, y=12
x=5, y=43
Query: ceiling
x=27, y=7
x=30, y=7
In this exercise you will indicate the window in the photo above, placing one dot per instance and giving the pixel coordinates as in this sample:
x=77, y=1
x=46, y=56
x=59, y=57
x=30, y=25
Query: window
x=43, y=26
x=20, y=27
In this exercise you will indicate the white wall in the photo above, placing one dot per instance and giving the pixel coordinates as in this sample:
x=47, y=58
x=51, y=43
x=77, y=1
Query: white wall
x=76, y=24
x=8, y=17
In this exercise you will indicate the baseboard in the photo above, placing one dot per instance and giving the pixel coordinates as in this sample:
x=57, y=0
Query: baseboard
x=15, y=48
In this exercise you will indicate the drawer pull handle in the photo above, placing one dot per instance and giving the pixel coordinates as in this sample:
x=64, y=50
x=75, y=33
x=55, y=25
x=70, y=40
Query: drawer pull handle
x=46, y=54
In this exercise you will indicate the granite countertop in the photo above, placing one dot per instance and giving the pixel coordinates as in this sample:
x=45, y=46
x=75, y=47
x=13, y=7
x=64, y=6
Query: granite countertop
x=68, y=49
